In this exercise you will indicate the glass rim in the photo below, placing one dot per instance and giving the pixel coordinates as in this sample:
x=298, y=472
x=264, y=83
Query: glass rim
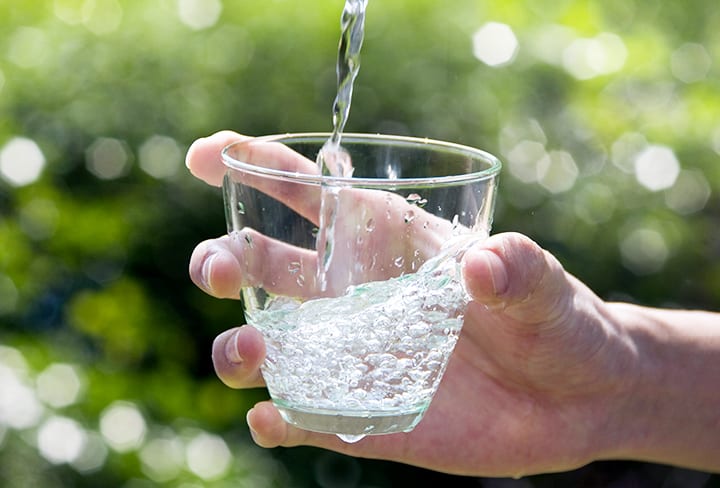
x=492, y=171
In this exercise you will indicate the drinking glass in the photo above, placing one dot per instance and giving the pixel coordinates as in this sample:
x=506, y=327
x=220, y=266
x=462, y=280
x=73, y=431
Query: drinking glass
x=355, y=281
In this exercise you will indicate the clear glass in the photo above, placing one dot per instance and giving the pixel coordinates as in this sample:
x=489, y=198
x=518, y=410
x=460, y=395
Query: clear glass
x=355, y=283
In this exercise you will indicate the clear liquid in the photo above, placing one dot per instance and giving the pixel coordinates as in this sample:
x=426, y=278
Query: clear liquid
x=332, y=159
x=369, y=361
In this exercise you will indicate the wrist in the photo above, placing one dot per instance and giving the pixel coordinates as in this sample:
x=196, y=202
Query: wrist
x=670, y=411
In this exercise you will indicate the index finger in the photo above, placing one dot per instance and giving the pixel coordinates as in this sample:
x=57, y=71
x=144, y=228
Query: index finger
x=204, y=158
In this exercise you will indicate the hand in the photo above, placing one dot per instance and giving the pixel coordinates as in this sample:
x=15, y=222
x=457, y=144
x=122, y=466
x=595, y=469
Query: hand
x=538, y=374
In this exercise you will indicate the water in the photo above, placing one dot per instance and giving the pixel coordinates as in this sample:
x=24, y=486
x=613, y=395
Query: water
x=369, y=361
x=332, y=159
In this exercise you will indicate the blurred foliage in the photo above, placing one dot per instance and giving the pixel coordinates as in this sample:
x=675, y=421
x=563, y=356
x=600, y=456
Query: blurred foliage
x=99, y=100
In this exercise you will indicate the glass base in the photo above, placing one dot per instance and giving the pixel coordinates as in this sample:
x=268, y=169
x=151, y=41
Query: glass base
x=351, y=423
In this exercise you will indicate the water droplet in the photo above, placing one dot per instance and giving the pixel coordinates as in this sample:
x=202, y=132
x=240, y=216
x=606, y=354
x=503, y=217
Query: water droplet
x=399, y=261
x=415, y=199
x=455, y=221
x=248, y=240
x=300, y=280
x=370, y=225
x=241, y=208
x=350, y=438
x=294, y=267
x=409, y=216
x=315, y=231
x=426, y=224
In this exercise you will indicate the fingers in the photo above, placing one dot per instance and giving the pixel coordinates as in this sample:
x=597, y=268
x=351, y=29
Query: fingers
x=301, y=195
x=222, y=267
x=204, y=159
x=269, y=430
x=237, y=355
x=512, y=272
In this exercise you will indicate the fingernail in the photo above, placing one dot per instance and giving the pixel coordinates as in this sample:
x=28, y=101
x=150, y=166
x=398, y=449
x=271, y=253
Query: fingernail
x=498, y=274
x=231, y=350
x=205, y=272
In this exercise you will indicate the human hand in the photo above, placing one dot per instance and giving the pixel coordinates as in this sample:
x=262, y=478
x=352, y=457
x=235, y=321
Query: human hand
x=535, y=378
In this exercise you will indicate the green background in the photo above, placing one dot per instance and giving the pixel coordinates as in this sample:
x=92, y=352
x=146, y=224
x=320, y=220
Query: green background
x=94, y=247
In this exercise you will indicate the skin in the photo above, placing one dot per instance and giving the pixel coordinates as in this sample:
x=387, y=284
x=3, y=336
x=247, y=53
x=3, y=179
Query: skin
x=545, y=377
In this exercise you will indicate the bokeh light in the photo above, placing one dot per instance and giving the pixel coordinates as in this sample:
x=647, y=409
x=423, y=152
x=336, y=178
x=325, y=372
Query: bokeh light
x=644, y=250
x=689, y=194
x=107, y=158
x=690, y=62
x=59, y=385
x=61, y=440
x=208, y=456
x=199, y=14
x=163, y=458
x=19, y=406
x=160, y=156
x=93, y=455
x=21, y=161
x=524, y=159
x=495, y=44
x=587, y=58
x=101, y=16
x=557, y=171
x=28, y=47
x=657, y=167
x=123, y=426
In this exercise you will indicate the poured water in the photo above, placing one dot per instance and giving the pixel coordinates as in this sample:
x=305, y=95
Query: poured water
x=369, y=361
x=332, y=159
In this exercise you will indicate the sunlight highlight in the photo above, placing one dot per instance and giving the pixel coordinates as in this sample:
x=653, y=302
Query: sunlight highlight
x=21, y=161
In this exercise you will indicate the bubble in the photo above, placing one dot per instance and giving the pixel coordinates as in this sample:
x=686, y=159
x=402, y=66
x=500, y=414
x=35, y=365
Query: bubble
x=417, y=200
x=241, y=208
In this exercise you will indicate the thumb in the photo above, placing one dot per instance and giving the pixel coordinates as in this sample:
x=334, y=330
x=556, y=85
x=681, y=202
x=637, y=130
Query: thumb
x=511, y=272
